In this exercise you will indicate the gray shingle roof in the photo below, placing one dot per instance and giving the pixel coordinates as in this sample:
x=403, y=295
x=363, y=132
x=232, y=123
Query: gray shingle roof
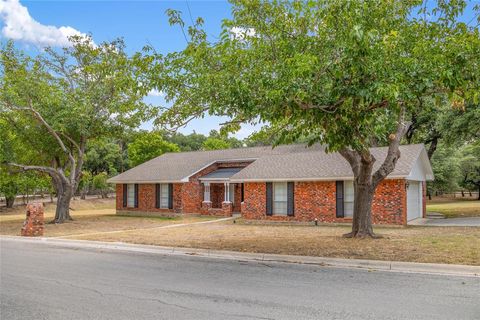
x=321, y=165
x=280, y=163
x=173, y=167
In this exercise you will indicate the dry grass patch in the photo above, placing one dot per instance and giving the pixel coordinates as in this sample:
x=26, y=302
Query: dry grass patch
x=456, y=209
x=90, y=216
x=78, y=206
x=417, y=244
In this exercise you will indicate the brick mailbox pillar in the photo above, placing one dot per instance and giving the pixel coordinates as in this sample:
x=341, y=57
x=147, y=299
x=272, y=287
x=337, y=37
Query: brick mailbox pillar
x=33, y=225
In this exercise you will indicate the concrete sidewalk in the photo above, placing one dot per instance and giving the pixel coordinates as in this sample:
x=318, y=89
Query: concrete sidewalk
x=391, y=266
x=168, y=226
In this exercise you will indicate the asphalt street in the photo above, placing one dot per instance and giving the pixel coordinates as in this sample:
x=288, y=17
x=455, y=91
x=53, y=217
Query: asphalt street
x=41, y=281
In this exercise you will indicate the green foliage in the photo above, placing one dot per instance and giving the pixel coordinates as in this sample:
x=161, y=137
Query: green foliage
x=85, y=182
x=470, y=166
x=215, y=144
x=57, y=102
x=9, y=184
x=446, y=170
x=148, y=145
x=190, y=142
x=336, y=72
x=99, y=182
x=103, y=155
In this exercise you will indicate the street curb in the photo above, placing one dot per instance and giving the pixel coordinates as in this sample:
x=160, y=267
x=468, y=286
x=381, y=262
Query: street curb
x=371, y=265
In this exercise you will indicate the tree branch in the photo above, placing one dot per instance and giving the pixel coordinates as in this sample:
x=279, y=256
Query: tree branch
x=353, y=159
x=53, y=133
x=326, y=108
x=50, y=171
x=393, y=153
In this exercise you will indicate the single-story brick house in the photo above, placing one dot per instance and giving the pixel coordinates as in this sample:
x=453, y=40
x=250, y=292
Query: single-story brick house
x=286, y=183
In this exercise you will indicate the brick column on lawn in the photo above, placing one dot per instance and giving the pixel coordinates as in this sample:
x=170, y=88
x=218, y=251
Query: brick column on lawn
x=227, y=208
x=34, y=222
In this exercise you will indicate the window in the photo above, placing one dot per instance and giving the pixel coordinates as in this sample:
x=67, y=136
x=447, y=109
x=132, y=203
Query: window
x=130, y=195
x=164, y=195
x=280, y=198
x=348, y=198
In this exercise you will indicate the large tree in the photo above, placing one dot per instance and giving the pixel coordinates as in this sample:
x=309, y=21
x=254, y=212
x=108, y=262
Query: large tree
x=337, y=72
x=148, y=145
x=434, y=125
x=60, y=99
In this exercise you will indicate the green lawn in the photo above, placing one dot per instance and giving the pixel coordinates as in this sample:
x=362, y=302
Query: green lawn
x=455, y=208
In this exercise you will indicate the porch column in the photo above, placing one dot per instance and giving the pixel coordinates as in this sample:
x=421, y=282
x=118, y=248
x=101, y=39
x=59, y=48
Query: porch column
x=227, y=191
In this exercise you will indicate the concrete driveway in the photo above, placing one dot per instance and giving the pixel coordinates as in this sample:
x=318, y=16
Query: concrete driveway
x=452, y=222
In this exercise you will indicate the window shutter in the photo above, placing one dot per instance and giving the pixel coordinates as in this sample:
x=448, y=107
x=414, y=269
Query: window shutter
x=170, y=196
x=125, y=194
x=157, y=195
x=339, y=198
x=269, y=199
x=136, y=196
x=290, y=198
x=243, y=192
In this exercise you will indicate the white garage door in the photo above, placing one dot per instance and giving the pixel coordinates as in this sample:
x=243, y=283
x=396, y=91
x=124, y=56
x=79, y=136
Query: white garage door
x=414, y=200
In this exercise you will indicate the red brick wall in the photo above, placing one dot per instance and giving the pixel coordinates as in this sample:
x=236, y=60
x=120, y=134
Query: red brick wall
x=146, y=199
x=217, y=194
x=317, y=200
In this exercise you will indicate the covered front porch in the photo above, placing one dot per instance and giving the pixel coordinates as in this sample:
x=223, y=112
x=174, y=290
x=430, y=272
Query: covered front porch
x=220, y=196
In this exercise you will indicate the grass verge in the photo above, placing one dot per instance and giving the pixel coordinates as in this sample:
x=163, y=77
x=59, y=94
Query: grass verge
x=455, y=245
x=456, y=209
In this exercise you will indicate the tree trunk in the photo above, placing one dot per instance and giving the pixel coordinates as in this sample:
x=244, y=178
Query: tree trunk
x=478, y=196
x=432, y=148
x=364, y=190
x=365, y=183
x=62, y=212
x=10, y=201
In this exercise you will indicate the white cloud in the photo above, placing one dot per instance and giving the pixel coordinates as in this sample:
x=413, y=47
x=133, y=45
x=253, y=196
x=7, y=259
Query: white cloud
x=155, y=93
x=20, y=26
x=242, y=33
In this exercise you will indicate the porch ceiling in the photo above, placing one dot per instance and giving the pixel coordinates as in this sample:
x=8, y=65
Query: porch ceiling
x=222, y=174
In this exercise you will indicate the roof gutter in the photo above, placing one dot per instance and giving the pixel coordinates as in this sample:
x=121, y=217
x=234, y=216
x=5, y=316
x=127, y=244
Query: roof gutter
x=308, y=179
x=143, y=181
